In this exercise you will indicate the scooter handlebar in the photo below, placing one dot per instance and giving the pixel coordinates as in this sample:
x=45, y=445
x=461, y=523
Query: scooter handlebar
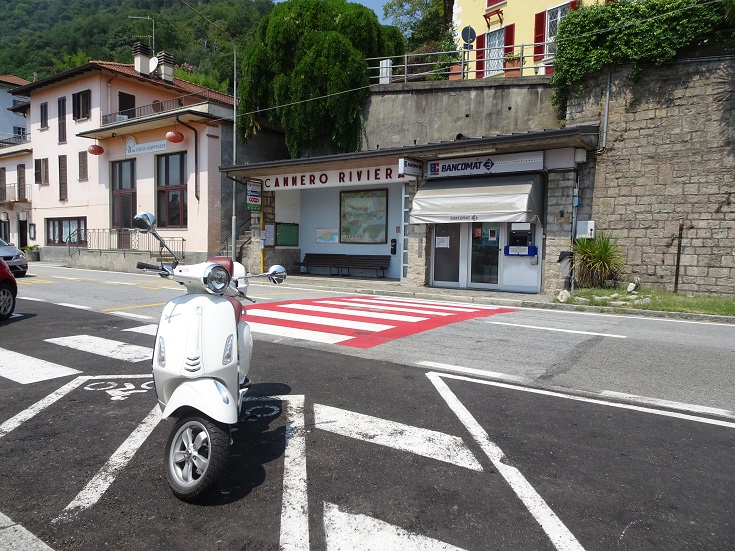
x=146, y=266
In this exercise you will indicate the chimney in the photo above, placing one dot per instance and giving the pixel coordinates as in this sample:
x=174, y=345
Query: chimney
x=142, y=58
x=166, y=66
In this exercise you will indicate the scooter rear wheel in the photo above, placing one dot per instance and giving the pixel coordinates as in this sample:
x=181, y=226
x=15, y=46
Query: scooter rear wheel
x=196, y=453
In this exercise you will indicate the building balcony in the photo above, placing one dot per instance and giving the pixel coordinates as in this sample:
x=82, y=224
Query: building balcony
x=13, y=193
x=10, y=140
x=161, y=114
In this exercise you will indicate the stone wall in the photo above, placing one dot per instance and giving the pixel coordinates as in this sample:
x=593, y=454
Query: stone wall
x=669, y=158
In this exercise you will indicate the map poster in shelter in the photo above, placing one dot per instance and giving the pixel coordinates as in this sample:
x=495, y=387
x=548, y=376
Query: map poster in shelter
x=363, y=216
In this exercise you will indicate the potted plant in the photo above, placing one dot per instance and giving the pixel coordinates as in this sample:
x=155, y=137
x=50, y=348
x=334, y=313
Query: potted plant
x=32, y=252
x=512, y=64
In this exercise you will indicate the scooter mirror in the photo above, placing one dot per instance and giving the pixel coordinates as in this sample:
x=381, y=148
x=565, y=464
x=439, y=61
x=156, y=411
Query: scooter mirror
x=144, y=221
x=276, y=273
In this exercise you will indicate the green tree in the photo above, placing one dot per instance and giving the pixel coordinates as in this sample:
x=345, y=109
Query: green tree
x=420, y=21
x=306, y=72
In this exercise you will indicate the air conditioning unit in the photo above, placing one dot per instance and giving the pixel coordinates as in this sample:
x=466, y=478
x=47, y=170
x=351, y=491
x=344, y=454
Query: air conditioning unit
x=585, y=229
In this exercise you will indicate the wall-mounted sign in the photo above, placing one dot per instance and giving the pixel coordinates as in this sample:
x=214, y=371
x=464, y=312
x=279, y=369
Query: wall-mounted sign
x=349, y=177
x=253, y=196
x=410, y=167
x=491, y=164
x=268, y=237
x=132, y=147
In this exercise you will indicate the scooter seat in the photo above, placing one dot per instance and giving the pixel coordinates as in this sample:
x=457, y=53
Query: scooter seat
x=239, y=308
x=224, y=261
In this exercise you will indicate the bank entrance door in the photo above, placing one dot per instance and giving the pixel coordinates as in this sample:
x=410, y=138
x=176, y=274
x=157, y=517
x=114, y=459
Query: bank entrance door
x=467, y=255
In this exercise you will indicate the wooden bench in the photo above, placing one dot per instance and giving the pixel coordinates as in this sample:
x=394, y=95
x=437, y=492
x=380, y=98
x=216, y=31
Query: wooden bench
x=377, y=262
x=321, y=260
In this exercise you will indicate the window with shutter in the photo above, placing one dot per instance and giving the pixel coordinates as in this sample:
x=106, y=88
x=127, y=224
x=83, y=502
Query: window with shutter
x=44, y=115
x=83, y=170
x=539, y=36
x=509, y=53
x=40, y=169
x=480, y=56
x=491, y=3
x=63, y=192
x=81, y=104
x=3, y=191
x=62, y=120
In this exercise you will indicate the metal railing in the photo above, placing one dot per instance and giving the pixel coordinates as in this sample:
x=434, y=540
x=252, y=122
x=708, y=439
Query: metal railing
x=123, y=240
x=516, y=60
x=157, y=107
x=12, y=193
x=9, y=140
x=243, y=227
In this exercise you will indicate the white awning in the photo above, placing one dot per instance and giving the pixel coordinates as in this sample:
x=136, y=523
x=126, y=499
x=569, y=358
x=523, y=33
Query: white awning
x=508, y=199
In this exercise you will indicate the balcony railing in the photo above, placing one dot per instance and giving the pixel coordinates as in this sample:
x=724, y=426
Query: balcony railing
x=8, y=140
x=123, y=240
x=12, y=193
x=156, y=108
x=516, y=60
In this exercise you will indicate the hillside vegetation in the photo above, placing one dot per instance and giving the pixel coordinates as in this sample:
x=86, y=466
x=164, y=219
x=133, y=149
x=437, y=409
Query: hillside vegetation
x=42, y=37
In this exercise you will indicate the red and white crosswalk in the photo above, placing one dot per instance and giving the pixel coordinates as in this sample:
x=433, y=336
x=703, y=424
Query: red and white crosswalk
x=359, y=321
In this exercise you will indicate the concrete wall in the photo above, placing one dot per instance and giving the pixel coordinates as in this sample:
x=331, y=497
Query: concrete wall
x=426, y=112
x=670, y=157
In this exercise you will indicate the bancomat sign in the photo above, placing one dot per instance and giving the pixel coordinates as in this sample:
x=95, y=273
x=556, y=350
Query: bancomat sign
x=492, y=164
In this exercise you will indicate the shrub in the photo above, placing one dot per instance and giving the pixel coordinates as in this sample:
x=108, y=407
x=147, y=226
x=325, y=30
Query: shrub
x=596, y=260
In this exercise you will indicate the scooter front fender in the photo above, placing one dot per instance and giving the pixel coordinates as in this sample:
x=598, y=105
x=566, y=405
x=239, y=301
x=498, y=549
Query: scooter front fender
x=209, y=396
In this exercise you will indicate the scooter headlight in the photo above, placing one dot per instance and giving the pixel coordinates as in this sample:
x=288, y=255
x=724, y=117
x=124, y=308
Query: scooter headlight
x=217, y=279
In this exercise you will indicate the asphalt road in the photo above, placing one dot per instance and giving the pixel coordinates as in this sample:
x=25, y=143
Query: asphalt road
x=511, y=439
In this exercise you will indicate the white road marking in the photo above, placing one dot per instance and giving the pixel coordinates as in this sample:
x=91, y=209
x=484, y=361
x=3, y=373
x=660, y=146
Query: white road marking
x=27, y=369
x=356, y=303
x=14, y=536
x=474, y=371
x=559, y=330
x=555, y=529
x=105, y=347
x=151, y=329
x=99, y=484
x=424, y=306
x=332, y=322
x=423, y=442
x=352, y=312
x=295, y=505
x=33, y=299
x=77, y=306
x=682, y=406
x=440, y=303
x=349, y=532
x=293, y=333
x=17, y=420
x=130, y=315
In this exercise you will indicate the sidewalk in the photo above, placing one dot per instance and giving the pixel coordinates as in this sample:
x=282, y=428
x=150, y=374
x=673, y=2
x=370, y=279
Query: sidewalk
x=391, y=287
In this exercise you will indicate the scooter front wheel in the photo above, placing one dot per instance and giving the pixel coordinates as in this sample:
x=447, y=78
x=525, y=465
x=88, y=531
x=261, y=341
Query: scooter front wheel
x=196, y=454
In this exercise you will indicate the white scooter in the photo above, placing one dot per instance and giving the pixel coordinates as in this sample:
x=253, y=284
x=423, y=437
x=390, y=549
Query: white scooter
x=201, y=360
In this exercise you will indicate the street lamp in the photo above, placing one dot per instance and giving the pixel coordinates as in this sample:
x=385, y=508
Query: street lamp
x=153, y=45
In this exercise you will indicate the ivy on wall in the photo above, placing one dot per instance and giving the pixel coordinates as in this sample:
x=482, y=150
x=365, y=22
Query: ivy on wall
x=641, y=33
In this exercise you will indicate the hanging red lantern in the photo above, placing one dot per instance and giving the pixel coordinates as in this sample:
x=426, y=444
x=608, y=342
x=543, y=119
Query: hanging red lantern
x=174, y=136
x=95, y=149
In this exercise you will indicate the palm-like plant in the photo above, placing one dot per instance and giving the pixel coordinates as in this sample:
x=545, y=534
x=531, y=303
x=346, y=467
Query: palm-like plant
x=596, y=260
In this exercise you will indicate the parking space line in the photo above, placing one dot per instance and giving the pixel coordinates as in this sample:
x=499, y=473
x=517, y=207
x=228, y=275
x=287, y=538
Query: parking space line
x=555, y=529
x=99, y=484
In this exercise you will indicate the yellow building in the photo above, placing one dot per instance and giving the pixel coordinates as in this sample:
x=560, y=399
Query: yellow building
x=511, y=37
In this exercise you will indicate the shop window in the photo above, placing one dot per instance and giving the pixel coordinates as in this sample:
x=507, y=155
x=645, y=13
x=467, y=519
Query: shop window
x=63, y=231
x=171, y=190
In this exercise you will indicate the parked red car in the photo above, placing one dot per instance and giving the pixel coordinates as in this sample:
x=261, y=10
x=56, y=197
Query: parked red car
x=8, y=291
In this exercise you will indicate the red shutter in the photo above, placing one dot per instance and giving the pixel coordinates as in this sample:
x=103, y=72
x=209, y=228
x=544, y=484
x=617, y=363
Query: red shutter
x=493, y=2
x=510, y=38
x=539, y=36
x=574, y=4
x=480, y=56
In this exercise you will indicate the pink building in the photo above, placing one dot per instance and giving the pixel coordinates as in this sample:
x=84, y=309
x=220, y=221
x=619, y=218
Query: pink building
x=109, y=140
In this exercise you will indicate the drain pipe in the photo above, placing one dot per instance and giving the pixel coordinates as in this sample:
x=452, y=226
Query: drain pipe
x=603, y=147
x=575, y=206
x=196, y=155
